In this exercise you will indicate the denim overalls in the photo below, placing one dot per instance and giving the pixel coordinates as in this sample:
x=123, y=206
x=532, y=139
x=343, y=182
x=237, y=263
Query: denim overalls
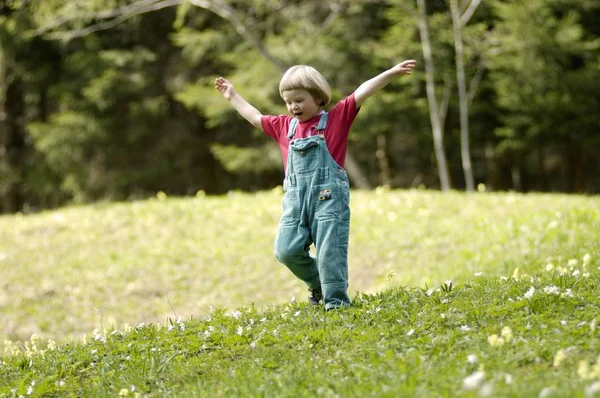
x=315, y=209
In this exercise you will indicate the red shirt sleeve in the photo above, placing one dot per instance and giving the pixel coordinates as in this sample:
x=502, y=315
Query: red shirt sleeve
x=275, y=126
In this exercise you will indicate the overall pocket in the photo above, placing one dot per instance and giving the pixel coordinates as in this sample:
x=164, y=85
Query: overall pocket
x=290, y=206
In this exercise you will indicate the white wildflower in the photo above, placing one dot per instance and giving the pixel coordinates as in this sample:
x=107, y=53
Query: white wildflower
x=297, y=313
x=549, y=267
x=529, y=293
x=465, y=328
x=551, y=290
x=587, y=258
x=592, y=390
x=474, y=380
x=478, y=273
x=429, y=292
x=575, y=273
x=546, y=392
x=567, y=293
x=410, y=332
x=240, y=330
x=236, y=314
x=472, y=358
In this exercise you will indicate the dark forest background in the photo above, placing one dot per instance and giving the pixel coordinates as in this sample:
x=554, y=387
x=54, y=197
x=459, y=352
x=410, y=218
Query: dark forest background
x=114, y=100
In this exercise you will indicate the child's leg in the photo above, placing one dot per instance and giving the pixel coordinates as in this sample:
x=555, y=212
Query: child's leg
x=292, y=249
x=331, y=237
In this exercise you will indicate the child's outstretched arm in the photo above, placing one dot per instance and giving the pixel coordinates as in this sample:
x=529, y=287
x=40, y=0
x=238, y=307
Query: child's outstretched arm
x=243, y=107
x=375, y=84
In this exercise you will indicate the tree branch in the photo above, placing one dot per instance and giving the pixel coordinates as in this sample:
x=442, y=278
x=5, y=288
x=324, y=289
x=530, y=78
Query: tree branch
x=118, y=16
x=229, y=14
x=132, y=8
x=469, y=12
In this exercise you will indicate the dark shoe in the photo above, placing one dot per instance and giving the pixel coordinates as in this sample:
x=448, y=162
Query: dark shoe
x=316, y=295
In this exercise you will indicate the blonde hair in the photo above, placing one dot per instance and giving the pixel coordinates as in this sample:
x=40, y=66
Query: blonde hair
x=306, y=78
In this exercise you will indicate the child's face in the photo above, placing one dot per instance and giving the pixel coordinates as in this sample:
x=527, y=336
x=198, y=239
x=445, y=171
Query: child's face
x=301, y=104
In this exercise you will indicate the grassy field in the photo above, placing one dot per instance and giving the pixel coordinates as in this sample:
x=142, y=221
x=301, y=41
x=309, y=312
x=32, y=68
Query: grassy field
x=234, y=322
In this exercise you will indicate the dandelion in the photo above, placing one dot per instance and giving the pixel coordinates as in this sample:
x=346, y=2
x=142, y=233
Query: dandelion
x=584, y=370
x=507, y=334
x=474, y=380
x=559, y=357
x=515, y=274
x=529, y=293
x=572, y=262
x=495, y=341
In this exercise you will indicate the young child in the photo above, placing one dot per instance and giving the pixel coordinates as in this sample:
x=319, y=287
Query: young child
x=316, y=202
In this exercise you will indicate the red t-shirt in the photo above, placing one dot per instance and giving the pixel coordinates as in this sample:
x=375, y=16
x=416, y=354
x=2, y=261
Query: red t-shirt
x=339, y=121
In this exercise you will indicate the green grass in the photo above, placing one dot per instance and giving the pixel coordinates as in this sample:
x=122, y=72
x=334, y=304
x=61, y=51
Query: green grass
x=204, y=269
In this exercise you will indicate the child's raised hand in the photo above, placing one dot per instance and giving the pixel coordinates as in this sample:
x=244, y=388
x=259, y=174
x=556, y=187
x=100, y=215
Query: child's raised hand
x=224, y=87
x=405, y=67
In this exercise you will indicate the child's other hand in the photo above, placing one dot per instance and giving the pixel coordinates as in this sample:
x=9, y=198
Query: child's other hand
x=404, y=67
x=225, y=87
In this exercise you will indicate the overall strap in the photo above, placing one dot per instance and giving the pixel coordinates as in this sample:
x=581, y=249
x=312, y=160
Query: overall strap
x=322, y=122
x=292, y=129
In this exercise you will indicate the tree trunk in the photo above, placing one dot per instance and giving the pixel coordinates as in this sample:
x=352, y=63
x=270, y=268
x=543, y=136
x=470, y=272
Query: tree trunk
x=12, y=137
x=462, y=97
x=434, y=110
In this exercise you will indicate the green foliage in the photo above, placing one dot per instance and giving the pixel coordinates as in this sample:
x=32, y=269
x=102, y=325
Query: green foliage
x=143, y=76
x=236, y=159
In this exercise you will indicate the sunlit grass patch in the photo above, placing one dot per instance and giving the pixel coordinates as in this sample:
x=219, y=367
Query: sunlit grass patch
x=69, y=271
